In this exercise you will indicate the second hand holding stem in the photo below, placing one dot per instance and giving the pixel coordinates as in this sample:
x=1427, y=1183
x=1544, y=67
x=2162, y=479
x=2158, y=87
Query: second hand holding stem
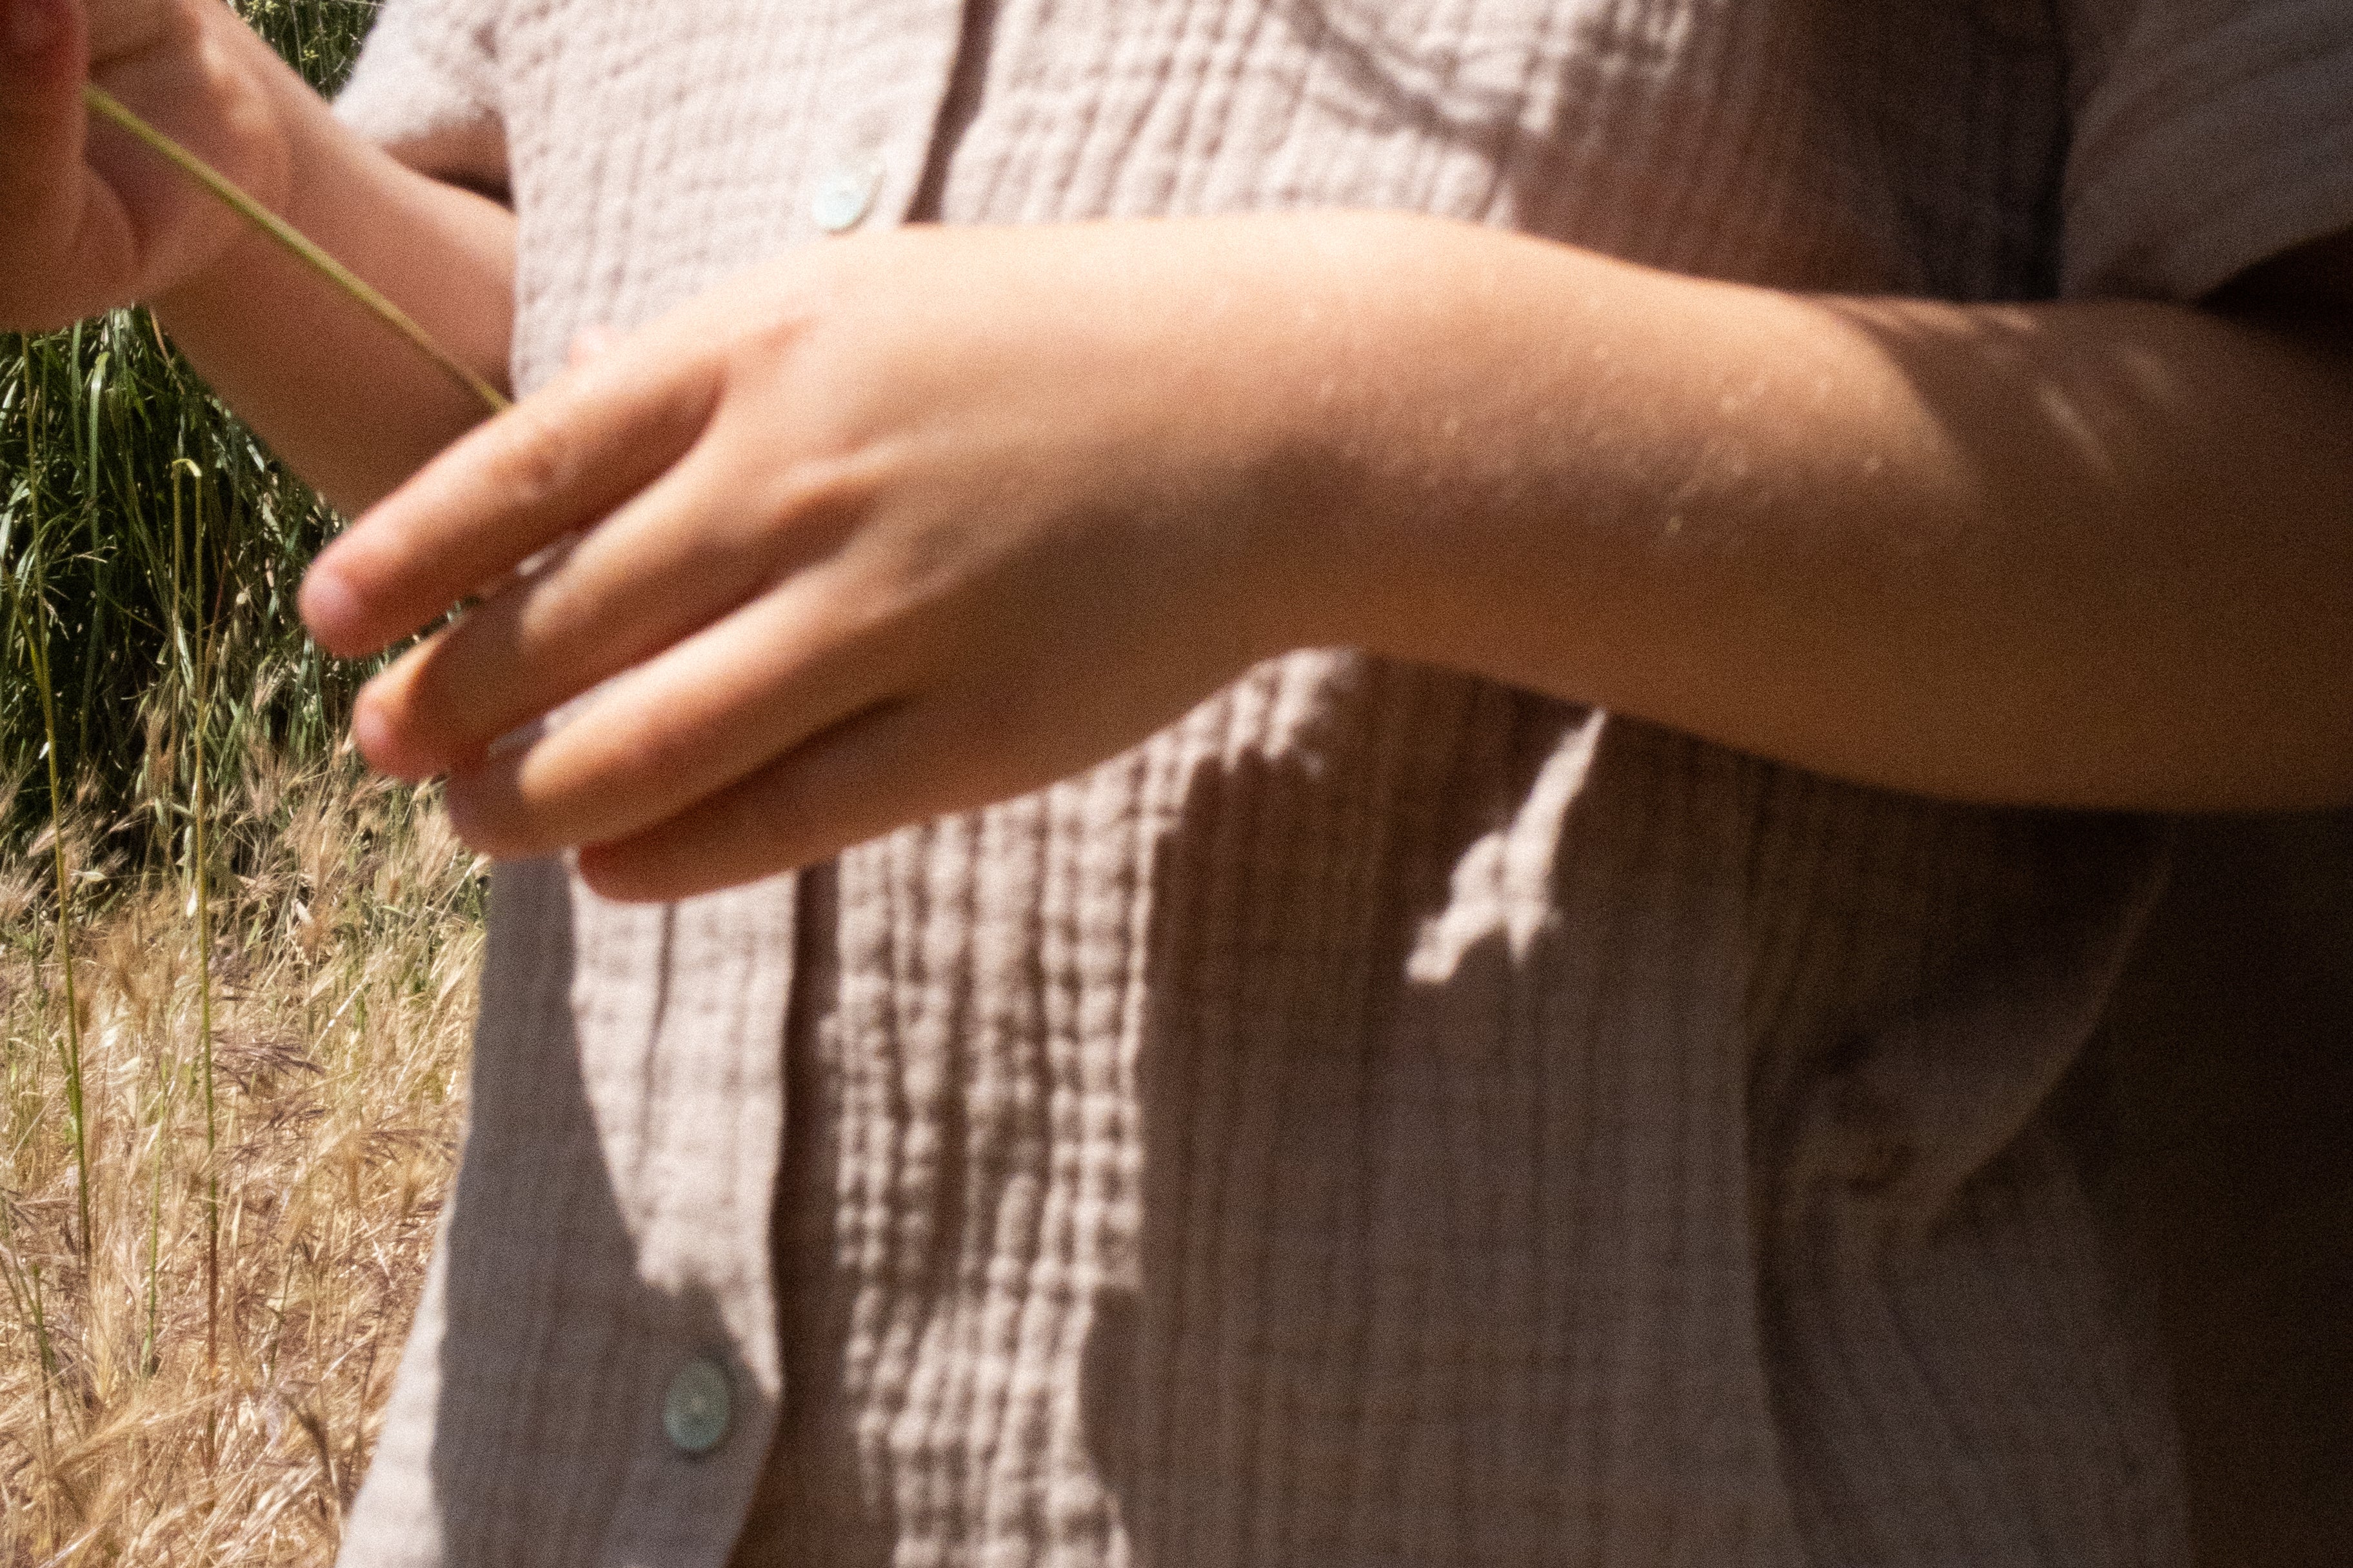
x=263, y=221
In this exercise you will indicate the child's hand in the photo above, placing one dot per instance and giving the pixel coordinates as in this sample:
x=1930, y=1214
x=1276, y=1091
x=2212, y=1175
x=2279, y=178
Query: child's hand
x=92, y=221
x=898, y=526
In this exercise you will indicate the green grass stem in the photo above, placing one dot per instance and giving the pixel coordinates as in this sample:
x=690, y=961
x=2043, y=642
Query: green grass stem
x=198, y=850
x=34, y=624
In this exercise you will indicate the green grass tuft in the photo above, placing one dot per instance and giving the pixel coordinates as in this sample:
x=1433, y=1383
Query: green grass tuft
x=113, y=460
x=236, y=976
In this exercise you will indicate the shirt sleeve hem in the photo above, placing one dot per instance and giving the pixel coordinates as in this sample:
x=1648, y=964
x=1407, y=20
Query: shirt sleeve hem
x=2174, y=205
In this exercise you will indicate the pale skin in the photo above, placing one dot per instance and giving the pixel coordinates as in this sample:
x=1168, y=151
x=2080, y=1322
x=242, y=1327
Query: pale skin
x=853, y=549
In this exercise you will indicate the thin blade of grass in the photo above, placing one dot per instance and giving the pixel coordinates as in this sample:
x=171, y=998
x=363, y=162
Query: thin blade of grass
x=35, y=633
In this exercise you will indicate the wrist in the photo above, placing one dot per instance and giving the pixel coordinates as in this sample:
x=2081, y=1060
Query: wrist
x=1420, y=442
x=1344, y=369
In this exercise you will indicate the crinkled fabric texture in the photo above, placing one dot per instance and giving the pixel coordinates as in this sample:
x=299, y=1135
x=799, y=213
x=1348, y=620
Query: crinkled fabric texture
x=1385, y=1118
x=2208, y=135
x=430, y=72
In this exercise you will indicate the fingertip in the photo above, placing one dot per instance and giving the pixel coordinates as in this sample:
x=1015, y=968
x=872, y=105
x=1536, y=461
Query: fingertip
x=377, y=738
x=613, y=873
x=702, y=851
x=387, y=742
x=348, y=598
x=650, y=869
x=332, y=610
x=462, y=804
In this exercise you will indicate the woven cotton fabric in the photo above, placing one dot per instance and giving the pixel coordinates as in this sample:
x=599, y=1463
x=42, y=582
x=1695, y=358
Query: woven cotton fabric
x=1386, y=1118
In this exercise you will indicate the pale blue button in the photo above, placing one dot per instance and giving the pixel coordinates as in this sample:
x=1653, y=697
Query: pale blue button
x=699, y=1406
x=847, y=194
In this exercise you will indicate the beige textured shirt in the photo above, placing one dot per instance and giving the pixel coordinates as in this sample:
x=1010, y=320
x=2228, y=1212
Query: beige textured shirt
x=1385, y=1118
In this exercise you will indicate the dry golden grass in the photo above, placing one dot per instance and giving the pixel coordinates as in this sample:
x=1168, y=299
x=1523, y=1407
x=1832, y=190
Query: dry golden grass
x=152, y=1411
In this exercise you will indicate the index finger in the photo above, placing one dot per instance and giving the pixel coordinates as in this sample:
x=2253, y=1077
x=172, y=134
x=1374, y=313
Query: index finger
x=557, y=462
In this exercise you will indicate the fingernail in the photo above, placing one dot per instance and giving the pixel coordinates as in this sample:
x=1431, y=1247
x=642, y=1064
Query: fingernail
x=34, y=26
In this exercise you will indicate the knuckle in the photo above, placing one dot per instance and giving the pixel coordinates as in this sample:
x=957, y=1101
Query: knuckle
x=811, y=506
x=746, y=349
x=532, y=460
x=768, y=337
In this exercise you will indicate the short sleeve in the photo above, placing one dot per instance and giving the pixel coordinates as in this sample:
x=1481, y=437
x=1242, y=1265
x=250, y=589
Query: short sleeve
x=2208, y=135
x=427, y=74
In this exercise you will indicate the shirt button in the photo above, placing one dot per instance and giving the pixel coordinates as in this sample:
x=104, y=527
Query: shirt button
x=846, y=195
x=695, y=1413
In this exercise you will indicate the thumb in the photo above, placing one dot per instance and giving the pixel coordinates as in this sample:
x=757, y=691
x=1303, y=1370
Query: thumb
x=46, y=46
x=50, y=249
x=29, y=29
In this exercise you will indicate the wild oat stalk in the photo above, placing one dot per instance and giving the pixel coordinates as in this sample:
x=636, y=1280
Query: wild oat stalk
x=353, y=287
x=202, y=909
x=335, y=956
x=293, y=241
x=34, y=626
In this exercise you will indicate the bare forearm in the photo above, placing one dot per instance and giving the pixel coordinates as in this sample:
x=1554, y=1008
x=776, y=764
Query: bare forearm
x=351, y=406
x=2094, y=554
x=847, y=549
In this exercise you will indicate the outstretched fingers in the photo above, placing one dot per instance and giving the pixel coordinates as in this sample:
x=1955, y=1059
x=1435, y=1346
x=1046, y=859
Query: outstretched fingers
x=685, y=724
x=667, y=564
x=554, y=465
